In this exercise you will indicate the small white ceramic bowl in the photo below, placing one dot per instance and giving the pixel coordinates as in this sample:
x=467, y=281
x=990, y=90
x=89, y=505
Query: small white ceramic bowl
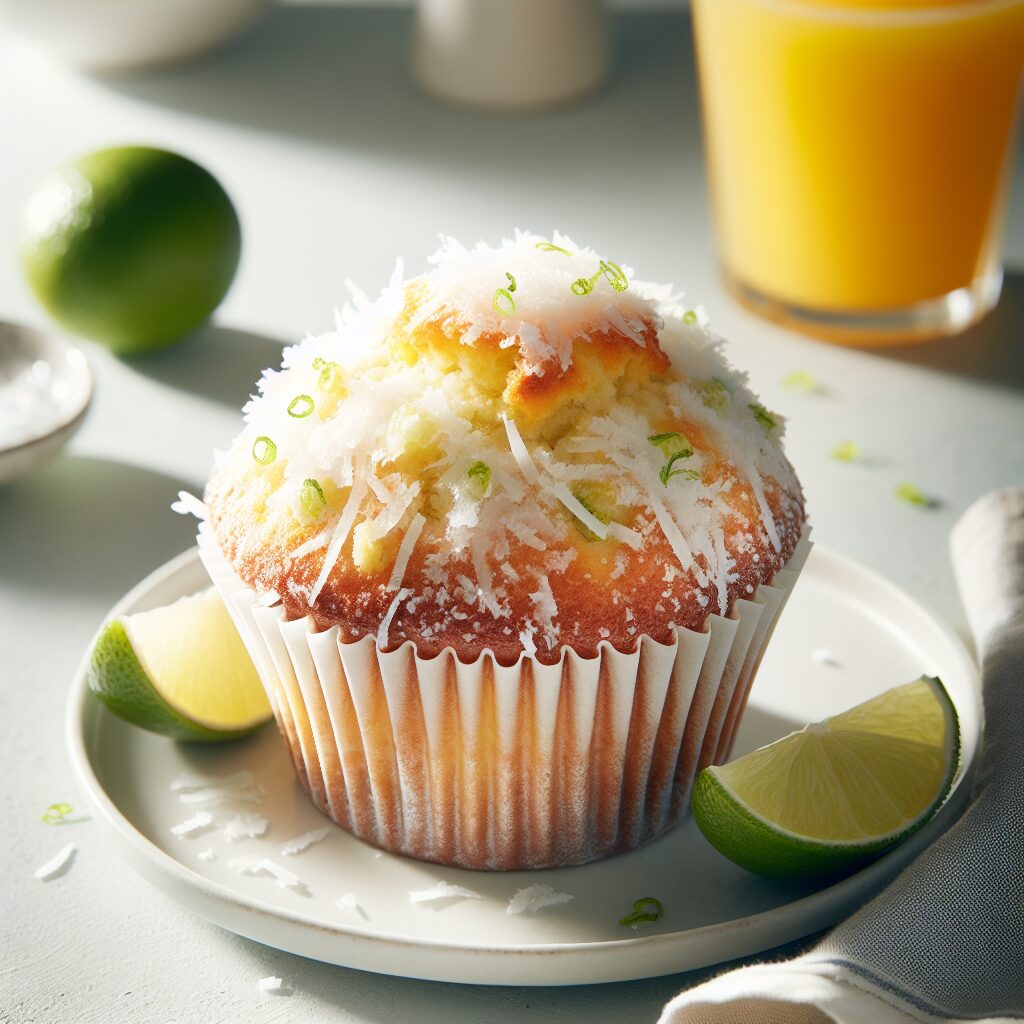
x=128, y=35
x=45, y=390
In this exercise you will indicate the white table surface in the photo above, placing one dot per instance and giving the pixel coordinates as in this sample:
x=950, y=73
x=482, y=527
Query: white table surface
x=337, y=164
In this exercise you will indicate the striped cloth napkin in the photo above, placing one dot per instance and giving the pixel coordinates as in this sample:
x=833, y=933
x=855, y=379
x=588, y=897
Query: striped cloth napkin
x=945, y=941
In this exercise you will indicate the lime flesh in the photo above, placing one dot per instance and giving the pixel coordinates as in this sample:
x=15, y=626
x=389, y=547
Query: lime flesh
x=824, y=800
x=181, y=671
x=131, y=246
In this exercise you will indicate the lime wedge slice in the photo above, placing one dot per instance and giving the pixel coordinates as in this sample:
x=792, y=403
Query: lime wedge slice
x=181, y=671
x=824, y=800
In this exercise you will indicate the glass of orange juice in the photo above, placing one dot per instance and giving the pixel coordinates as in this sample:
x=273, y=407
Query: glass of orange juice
x=858, y=153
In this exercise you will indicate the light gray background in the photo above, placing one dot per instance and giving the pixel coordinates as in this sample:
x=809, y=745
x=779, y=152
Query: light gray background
x=337, y=164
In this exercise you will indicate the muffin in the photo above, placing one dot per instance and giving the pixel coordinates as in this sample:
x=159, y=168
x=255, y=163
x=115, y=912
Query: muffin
x=506, y=546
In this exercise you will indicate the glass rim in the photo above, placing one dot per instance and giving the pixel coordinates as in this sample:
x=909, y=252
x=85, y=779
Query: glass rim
x=844, y=12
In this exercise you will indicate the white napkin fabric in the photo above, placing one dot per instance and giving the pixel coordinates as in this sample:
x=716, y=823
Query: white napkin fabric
x=945, y=941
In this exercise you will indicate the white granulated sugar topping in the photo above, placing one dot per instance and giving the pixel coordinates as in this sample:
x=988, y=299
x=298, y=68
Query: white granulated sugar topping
x=56, y=865
x=199, y=822
x=536, y=897
x=443, y=891
x=305, y=841
x=245, y=826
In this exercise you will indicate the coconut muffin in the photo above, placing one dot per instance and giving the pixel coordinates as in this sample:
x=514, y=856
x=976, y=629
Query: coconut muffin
x=521, y=470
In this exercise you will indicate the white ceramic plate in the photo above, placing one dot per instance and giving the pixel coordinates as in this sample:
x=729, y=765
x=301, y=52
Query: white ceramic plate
x=876, y=636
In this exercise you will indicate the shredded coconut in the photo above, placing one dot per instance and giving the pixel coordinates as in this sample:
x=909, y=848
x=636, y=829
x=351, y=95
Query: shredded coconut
x=245, y=826
x=443, y=891
x=58, y=864
x=536, y=897
x=303, y=842
x=199, y=822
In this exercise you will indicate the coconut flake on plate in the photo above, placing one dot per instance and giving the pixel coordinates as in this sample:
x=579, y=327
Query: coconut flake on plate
x=443, y=891
x=245, y=826
x=536, y=897
x=305, y=841
x=199, y=822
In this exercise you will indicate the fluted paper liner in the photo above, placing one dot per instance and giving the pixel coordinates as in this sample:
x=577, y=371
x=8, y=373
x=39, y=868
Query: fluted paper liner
x=485, y=766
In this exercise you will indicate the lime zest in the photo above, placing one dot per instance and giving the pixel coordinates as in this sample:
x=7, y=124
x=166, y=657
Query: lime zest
x=674, y=446
x=504, y=304
x=599, y=516
x=56, y=813
x=511, y=282
x=845, y=451
x=800, y=380
x=301, y=406
x=614, y=276
x=611, y=272
x=264, y=451
x=646, y=910
x=714, y=393
x=546, y=246
x=326, y=370
x=913, y=495
x=312, y=499
x=763, y=416
x=690, y=317
x=479, y=476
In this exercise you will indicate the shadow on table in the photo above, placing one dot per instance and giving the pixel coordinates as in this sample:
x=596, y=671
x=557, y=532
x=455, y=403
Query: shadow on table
x=383, y=999
x=991, y=351
x=88, y=526
x=340, y=76
x=219, y=363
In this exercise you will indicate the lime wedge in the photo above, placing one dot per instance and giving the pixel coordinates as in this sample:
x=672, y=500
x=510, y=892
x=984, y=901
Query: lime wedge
x=181, y=671
x=824, y=800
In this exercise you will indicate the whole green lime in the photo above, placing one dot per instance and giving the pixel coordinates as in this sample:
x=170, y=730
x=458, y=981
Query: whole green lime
x=131, y=246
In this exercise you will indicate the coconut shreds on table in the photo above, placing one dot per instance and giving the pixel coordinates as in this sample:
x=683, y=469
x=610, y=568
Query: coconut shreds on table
x=536, y=897
x=443, y=891
x=245, y=826
x=199, y=822
x=275, y=985
x=56, y=865
x=207, y=855
x=303, y=842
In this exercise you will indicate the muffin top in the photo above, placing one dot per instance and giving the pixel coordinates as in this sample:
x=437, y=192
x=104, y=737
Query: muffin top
x=522, y=450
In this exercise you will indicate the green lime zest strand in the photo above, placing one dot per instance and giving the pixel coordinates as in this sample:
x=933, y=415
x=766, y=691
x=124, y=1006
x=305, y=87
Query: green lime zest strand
x=326, y=370
x=312, y=499
x=800, y=380
x=646, y=910
x=714, y=393
x=511, y=282
x=614, y=276
x=504, y=304
x=551, y=247
x=674, y=446
x=690, y=317
x=479, y=476
x=56, y=813
x=598, y=515
x=611, y=272
x=846, y=451
x=264, y=451
x=913, y=495
x=763, y=416
x=301, y=406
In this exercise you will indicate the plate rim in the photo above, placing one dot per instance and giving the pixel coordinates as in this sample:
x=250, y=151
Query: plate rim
x=816, y=910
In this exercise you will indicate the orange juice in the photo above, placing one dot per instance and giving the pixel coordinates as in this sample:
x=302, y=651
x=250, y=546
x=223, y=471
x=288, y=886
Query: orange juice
x=858, y=150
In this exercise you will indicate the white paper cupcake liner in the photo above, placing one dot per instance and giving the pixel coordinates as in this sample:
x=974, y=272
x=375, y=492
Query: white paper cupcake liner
x=492, y=767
